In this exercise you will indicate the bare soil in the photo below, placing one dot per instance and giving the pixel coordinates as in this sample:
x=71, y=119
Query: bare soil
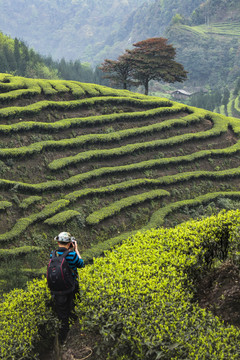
x=219, y=292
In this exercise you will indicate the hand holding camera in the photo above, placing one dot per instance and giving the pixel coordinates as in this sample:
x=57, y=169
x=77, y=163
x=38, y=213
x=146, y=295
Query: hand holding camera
x=73, y=243
x=74, y=246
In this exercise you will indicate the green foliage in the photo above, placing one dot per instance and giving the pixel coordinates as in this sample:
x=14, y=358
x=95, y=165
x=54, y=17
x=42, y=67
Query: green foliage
x=20, y=251
x=23, y=223
x=29, y=201
x=140, y=297
x=4, y=205
x=158, y=217
x=219, y=127
x=93, y=120
x=16, y=57
x=209, y=50
x=25, y=318
x=138, y=314
x=78, y=196
x=117, y=206
x=62, y=217
x=57, y=36
x=73, y=104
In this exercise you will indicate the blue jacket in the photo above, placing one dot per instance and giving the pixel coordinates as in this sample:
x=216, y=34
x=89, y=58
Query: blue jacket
x=72, y=258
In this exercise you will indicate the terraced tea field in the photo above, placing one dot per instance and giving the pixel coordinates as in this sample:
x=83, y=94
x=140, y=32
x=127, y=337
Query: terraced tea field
x=223, y=29
x=232, y=108
x=102, y=164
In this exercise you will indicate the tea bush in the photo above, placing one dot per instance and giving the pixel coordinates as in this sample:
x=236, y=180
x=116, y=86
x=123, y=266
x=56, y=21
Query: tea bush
x=140, y=296
x=91, y=138
x=26, y=318
x=29, y=201
x=60, y=86
x=62, y=217
x=5, y=204
x=76, y=88
x=157, y=218
x=73, y=104
x=22, y=224
x=117, y=206
x=87, y=121
x=219, y=128
x=19, y=251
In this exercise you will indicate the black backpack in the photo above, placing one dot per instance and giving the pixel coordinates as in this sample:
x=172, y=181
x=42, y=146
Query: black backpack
x=59, y=274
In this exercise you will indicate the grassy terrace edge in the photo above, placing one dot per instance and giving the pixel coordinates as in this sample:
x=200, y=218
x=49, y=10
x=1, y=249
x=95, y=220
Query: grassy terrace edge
x=57, y=212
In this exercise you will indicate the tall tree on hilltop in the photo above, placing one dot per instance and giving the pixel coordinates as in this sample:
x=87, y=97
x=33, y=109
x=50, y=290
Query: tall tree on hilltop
x=153, y=59
x=118, y=71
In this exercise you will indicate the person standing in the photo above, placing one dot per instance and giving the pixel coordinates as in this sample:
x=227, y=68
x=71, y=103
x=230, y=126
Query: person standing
x=64, y=301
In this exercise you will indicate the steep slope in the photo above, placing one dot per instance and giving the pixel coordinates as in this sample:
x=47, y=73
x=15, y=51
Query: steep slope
x=208, y=43
x=103, y=164
x=63, y=28
x=149, y=20
x=89, y=31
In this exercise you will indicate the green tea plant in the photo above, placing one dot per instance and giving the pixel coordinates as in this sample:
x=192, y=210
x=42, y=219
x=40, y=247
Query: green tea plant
x=62, y=217
x=97, y=216
x=26, y=318
x=143, y=307
x=29, y=201
x=58, y=152
x=139, y=298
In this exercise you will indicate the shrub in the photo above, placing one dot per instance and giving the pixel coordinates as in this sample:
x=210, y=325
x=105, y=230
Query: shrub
x=62, y=217
x=25, y=317
x=23, y=223
x=219, y=128
x=4, y=205
x=29, y=201
x=140, y=296
x=117, y=206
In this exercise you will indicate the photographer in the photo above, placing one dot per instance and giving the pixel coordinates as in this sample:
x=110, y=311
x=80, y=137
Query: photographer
x=64, y=300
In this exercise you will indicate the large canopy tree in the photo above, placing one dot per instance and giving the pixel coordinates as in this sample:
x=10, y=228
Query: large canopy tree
x=153, y=59
x=118, y=71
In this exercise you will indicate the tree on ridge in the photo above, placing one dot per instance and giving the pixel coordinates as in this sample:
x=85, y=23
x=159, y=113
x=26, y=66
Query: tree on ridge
x=118, y=71
x=151, y=59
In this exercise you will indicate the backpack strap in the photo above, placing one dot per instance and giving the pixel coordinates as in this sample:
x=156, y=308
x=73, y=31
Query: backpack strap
x=66, y=253
x=54, y=253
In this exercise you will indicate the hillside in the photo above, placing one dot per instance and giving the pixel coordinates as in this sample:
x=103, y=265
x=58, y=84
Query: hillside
x=205, y=34
x=208, y=43
x=70, y=29
x=88, y=31
x=150, y=19
x=102, y=164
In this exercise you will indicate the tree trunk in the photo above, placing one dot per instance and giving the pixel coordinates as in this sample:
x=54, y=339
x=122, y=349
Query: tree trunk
x=146, y=87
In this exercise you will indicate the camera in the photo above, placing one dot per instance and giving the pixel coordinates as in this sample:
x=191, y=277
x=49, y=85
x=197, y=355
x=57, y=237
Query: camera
x=73, y=242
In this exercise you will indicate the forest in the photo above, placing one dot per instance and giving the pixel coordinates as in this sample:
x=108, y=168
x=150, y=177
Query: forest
x=17, y=58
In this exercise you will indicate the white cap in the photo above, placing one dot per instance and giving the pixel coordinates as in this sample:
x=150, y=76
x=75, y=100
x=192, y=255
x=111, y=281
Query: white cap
x=64, y=237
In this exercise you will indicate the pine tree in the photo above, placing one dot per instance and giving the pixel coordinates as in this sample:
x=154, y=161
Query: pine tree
x=17, y=54
x=3, y=62
x=10, y=58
